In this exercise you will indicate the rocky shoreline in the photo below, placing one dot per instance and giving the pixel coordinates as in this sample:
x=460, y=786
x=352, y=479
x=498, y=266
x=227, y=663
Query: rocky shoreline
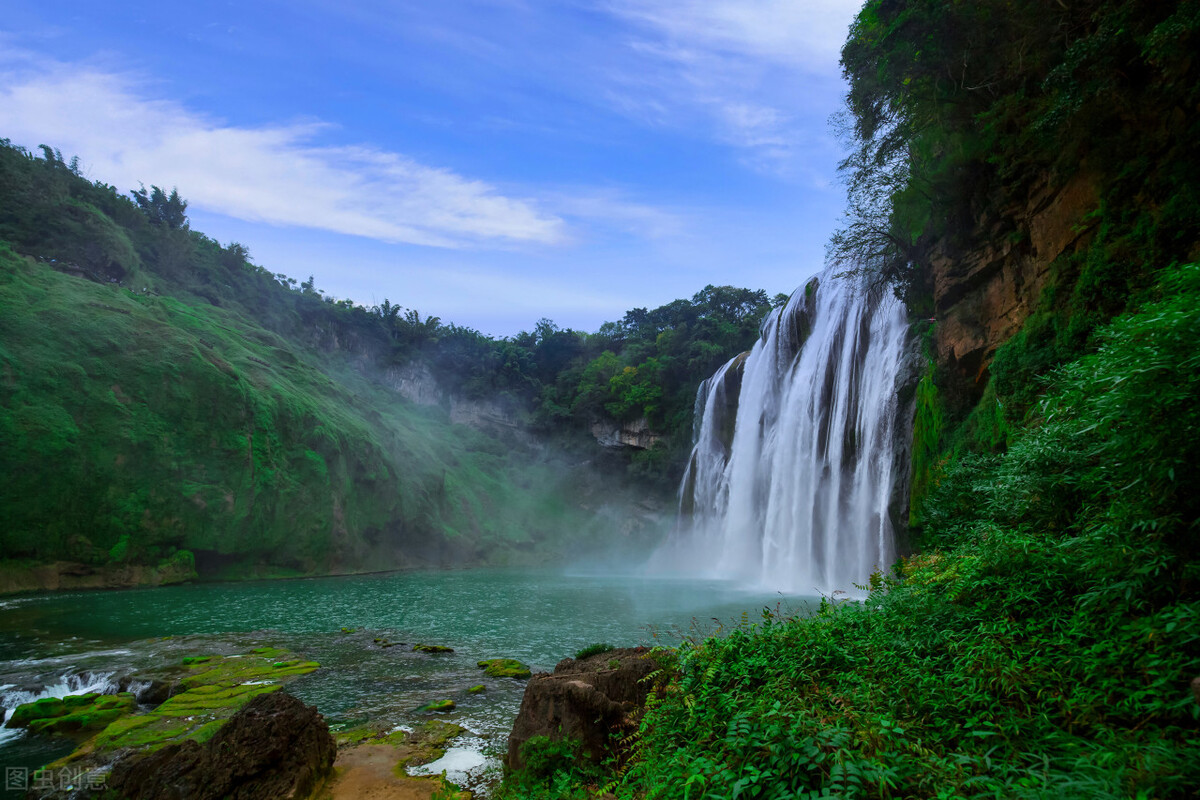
x=225, y=726
x=20, y=578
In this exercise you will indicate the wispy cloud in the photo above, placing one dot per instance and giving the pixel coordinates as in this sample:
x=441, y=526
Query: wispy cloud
x=756, y=69
x=279, y=174
x=807, y=35
x=609, y=213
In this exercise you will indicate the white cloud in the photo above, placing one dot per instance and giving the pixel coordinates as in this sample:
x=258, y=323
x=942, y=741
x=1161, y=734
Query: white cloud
x=607, y=211
x=802, y=33
x=763, y=72
x=276, y=174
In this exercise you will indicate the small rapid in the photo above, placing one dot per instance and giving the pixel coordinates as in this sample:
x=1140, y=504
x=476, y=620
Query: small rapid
x=82, y=683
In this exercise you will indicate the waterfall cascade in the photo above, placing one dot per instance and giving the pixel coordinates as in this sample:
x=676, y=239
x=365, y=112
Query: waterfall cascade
x=793, y=467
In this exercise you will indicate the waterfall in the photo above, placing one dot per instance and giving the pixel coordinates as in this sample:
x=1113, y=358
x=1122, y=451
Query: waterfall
x=793, y=469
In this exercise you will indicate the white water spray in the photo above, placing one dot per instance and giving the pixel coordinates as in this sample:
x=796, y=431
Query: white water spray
x=68, y=684
x=792, y=472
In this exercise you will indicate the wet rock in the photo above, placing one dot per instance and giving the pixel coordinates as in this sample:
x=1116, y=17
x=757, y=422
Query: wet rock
x=156, y=692
x=504, y=668
x=432, y=648
x=275, y=747
x=73, y=713
x=587, y=699
x=438, y=705
x=984, y=294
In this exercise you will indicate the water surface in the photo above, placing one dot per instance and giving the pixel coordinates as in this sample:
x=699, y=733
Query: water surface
x=537, y=616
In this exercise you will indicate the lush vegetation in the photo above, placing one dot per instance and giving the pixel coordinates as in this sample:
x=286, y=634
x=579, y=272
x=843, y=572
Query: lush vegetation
x=957, y=111
x=166, y=401
x=1041, y=641
x=645, y=366
x=1041, y=645
x=138, y=426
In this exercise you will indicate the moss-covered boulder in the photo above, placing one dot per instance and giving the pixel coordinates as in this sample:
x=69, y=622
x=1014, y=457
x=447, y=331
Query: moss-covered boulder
x=438, y=705
x=71, y=714
x=504, y=668
x=212, y=689
x=431, y=648
x=476, y=689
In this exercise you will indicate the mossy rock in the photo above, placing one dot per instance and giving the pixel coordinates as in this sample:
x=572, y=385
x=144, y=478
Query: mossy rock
x=476, y=689
x=438, y=705
x=431, y=648
x=193, y=660
x=385, y=643
x=85, y=712
x=504, y=668
x=366, y=733
x=213, y=690
x=264, y=664
x=428, y=743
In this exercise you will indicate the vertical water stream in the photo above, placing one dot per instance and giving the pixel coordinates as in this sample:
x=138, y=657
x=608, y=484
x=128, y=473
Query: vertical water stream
x=793, y=469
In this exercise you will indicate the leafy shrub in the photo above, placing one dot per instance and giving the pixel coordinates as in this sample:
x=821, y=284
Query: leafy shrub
x=554, y=768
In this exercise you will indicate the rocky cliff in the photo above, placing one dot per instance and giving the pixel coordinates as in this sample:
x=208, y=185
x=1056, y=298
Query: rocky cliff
x=983, y=293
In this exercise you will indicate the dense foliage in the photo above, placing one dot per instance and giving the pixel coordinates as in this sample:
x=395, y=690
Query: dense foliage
x=957, y=111
x=1042, y=641
x=645, y=366
x=163, y=394
x=135, y=426
x=1041, y=646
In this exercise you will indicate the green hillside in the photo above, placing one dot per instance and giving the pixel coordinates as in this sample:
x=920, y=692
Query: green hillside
x=163, y=399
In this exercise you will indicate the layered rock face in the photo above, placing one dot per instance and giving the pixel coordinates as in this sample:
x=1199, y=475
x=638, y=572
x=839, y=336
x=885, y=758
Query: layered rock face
x=617, y=435
x=984, y=295
x=587, y=700
x=417, y=383
x=274, y=748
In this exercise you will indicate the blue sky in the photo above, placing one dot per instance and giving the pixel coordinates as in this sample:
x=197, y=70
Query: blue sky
x=488, y=161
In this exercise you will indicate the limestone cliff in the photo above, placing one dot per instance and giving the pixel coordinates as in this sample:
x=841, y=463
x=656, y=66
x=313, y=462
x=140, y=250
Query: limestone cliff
x=415, y=382
x=635, y=434
x=983, y=293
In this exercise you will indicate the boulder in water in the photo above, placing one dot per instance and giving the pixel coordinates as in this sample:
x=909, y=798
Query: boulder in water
x=504, y=668
x=276, y=747
x=438, y=705
x=587, y=700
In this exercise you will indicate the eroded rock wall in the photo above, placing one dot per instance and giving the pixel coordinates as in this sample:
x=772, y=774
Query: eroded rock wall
x=983, y=294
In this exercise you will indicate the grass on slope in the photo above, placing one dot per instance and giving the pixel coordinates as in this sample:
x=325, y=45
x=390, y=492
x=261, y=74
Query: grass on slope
x=136, y=425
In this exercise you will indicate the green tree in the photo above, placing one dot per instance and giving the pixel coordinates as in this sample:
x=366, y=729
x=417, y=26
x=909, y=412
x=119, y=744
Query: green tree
x=161, y=208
